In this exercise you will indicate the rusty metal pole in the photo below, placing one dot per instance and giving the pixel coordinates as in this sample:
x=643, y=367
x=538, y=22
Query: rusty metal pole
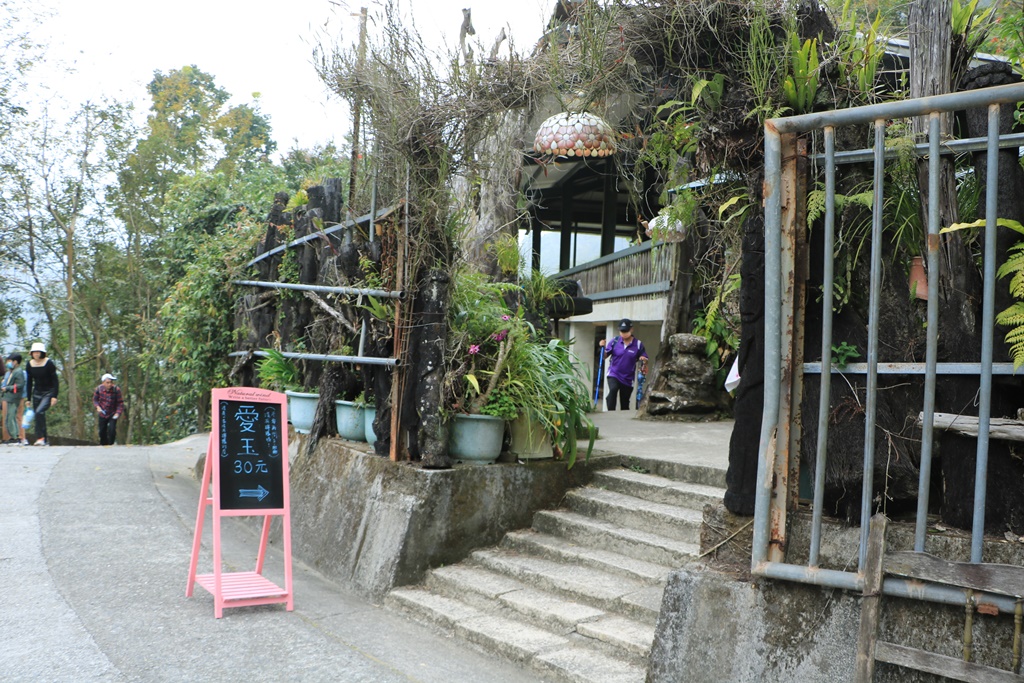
x=780, y=463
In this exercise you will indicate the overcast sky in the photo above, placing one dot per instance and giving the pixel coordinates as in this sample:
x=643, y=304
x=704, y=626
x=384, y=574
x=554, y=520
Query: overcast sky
x=114, y=46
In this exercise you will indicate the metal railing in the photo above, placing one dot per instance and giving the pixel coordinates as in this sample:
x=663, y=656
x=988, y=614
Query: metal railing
x=369, y=220
x=784, y=368
x=641, y=271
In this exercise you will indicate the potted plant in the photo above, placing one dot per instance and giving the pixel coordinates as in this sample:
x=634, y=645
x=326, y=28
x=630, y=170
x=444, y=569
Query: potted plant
x=505, y=371
x=279, y=373
x=350, y=419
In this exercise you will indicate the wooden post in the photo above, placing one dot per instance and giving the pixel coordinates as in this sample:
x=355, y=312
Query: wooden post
x=565, y=245
x=791, y=300
x=610, y=209
x=357, y=110
x=871, y=603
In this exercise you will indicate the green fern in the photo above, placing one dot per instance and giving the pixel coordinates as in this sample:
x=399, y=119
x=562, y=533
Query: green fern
x=1013, y=317
x=1014, y=267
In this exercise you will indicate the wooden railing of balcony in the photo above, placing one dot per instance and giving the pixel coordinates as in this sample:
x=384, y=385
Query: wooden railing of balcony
x=643, y=271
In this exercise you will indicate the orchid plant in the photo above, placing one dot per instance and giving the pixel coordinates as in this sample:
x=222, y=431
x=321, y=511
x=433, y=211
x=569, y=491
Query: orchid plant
x=500, y=365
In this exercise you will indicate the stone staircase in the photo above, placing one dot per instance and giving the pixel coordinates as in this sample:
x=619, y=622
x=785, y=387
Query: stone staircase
x=576, y=597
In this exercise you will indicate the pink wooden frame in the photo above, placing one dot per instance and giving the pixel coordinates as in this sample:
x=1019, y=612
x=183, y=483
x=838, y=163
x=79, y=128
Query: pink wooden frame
x=241, y=589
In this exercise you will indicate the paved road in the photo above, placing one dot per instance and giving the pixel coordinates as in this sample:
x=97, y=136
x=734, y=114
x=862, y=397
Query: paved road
x=94, y=553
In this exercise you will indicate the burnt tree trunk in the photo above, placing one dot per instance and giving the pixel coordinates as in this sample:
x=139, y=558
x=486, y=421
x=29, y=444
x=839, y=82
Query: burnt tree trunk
x=741, y=477
x=428, y=347
x=257, y=310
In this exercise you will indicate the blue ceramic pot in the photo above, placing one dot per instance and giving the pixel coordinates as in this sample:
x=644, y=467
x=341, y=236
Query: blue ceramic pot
x=476, y=439
x=349, y=417
x=369, y=415
x=302, y=410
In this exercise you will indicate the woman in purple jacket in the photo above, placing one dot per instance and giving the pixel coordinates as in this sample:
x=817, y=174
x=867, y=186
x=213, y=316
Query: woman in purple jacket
x=625, y=351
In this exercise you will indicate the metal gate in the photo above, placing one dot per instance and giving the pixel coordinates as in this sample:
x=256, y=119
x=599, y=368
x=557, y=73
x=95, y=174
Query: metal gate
x=785, y=190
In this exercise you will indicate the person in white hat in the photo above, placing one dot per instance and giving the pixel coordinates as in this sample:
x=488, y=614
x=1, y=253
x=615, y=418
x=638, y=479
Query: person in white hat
x=109, y=405
x=42, y=388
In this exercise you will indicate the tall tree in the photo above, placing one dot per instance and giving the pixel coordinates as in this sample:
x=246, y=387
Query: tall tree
x=55, y=175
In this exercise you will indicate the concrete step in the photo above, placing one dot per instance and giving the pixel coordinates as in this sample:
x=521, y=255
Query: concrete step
x=586, y=585
x=599, y=533
x=486, y=591
x=658, y=489
x=693, y=474
x=480, y=590
x=509, y=638
x=430, y=607
x=682, y=524
x=565, y=550
x=583, y=665
x=620, y=632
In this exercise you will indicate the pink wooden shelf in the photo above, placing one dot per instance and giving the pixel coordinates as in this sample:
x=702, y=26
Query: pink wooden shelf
x=250, y=587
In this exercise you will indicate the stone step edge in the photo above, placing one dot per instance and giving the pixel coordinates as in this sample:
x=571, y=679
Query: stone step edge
x=549, y=545
x=619, y=533
x=426, y=607
x=451, y=588
x=495, y=560
x=658, y=482
x=676, y=471
x=633, y=504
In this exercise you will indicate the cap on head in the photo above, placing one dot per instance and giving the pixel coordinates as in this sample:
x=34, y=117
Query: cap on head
x=15, y=356
x=38, y=346
x=107, y=376
x=625, y=325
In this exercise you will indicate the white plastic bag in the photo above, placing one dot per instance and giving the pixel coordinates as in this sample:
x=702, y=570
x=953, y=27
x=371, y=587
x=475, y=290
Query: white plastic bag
x=733, y=379
x=26, y=419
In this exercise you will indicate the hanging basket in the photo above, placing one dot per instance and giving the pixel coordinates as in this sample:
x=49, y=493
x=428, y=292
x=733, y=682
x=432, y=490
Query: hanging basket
x=575, y=135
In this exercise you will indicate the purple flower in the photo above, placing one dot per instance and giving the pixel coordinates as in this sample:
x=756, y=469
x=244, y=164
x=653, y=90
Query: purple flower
x=506, y=317
x=499, y=336
x=474, y=349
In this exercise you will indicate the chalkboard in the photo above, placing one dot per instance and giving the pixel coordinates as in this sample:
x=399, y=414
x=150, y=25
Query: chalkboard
x=250, y=448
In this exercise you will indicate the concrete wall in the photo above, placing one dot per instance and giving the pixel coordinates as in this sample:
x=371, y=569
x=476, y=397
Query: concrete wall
x=371, y=524
x=715, y=626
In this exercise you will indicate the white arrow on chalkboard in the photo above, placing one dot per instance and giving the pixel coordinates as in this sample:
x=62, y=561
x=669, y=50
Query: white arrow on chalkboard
x=257, y=493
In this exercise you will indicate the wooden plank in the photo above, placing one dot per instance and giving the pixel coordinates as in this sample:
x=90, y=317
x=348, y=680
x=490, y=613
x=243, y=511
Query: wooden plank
x=871, y=603
x=967, y=425
x=782, y=485
x=1003, y=579
x=941, y=665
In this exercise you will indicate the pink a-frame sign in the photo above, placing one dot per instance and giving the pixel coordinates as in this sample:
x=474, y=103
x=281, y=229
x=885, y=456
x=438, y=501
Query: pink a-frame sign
x=246, y=474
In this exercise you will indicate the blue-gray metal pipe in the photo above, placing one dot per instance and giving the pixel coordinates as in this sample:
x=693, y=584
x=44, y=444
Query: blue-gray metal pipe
x=353, y=291
x=825, y=392
x=319, y=234
x=915, y=368
x=932, y=344
x=892, y=585
x=947, y=595
x=831, y=578
x=874, y=305
x=987, y=331
x=364, y=360
x=772, y=339
x=921, y=106
x=858, y=156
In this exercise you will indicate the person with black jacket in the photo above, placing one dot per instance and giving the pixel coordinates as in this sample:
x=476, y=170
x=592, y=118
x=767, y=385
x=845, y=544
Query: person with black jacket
x=42, y=388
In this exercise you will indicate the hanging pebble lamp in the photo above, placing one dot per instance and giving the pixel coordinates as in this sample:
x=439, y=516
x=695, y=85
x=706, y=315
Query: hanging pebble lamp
x=575, y=135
